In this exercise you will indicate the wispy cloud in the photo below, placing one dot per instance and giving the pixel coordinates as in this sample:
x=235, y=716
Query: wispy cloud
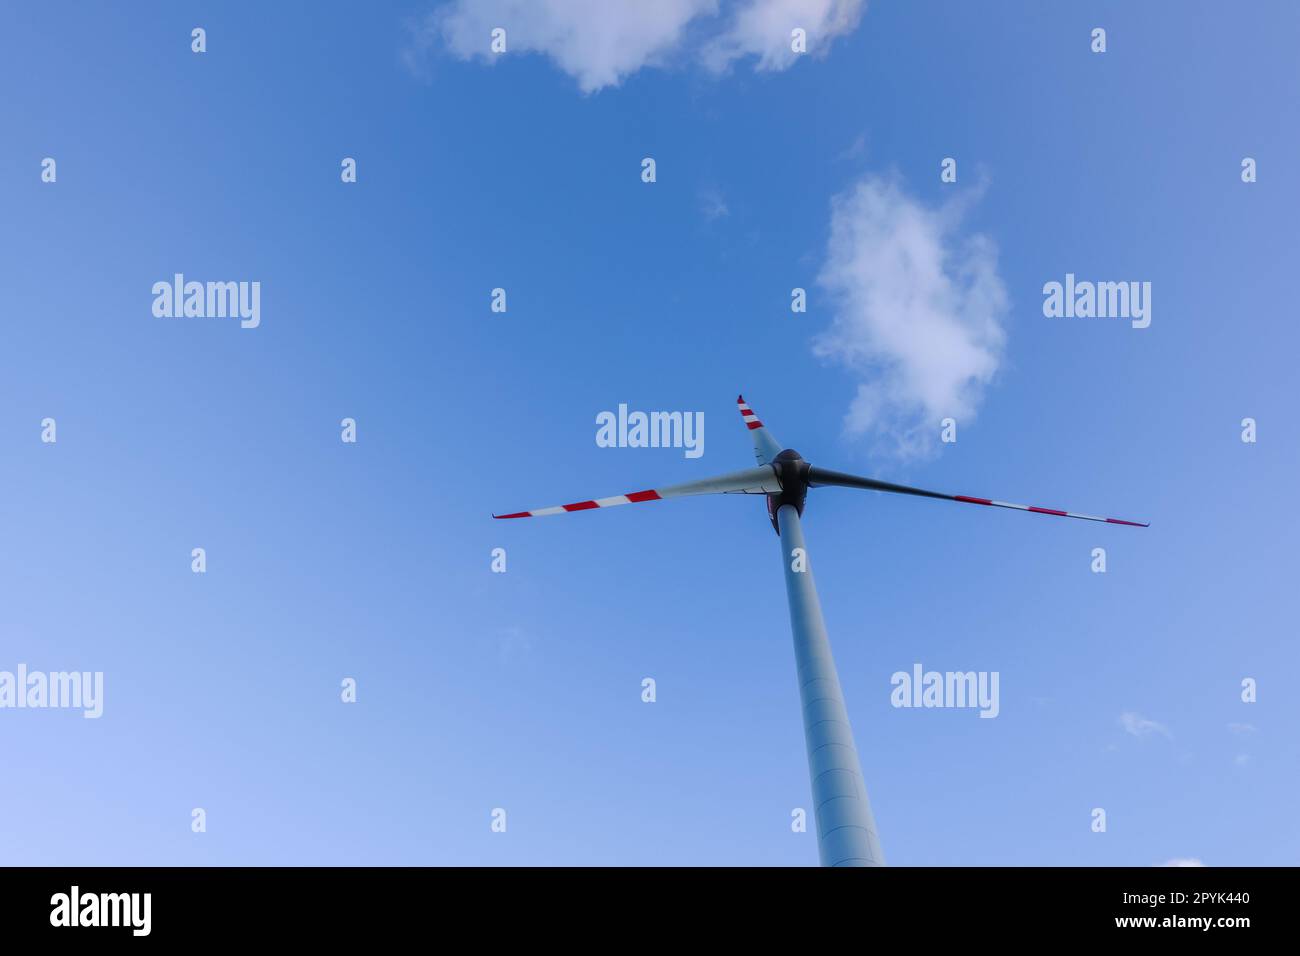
x=764, y=28
x=1183, y=861
x=855, y=150
x=1243, y=728
x=513, y=643
x=918, y=313
x=601, y=42
x=712, y=205
x=1140, y=726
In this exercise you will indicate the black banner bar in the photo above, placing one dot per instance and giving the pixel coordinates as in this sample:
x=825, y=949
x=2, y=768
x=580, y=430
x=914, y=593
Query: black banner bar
x=193, y=905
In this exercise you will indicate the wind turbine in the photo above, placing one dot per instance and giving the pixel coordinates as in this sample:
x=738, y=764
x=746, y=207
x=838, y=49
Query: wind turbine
x=846, y=829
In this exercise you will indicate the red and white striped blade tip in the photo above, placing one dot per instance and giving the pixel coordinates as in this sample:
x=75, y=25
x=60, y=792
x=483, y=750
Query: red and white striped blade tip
x=633, y=498
x=1047, y=511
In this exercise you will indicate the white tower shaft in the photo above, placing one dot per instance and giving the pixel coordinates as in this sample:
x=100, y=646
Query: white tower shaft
x=846, y=829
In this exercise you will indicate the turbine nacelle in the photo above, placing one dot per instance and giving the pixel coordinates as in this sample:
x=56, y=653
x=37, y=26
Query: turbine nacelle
x=792, y=472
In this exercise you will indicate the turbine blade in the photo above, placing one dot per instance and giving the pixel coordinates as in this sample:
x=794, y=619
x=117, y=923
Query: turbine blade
x=766, y=447
x=824, y=477
x=751, y=481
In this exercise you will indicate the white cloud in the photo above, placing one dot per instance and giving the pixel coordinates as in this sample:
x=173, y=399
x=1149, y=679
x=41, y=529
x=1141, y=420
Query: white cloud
x=597, y=42
x=763, y=28
x=918, y=313
x=1140, y=726
x=1183, y=861
x=601, y=42
x=1242, y=728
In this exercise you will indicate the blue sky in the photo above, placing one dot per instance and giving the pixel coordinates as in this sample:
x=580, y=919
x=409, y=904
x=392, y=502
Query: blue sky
x=523, y=690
